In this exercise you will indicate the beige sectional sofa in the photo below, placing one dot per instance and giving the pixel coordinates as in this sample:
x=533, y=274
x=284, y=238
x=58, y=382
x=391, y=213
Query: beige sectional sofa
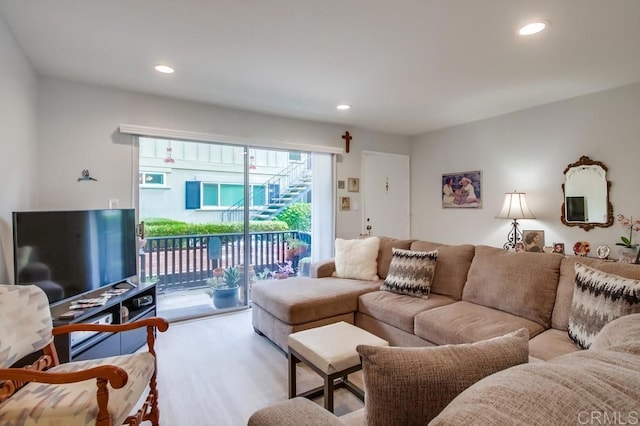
x=477, y=293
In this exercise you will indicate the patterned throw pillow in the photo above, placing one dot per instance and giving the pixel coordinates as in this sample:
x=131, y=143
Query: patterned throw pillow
x=599, y=298
x=411, y=272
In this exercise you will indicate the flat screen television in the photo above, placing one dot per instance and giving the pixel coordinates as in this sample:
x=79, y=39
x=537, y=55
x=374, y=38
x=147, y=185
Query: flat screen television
x=69, y=253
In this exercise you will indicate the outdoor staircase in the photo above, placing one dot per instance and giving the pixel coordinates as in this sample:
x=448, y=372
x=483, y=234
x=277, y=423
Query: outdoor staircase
x=292, y=183
x=292, y=194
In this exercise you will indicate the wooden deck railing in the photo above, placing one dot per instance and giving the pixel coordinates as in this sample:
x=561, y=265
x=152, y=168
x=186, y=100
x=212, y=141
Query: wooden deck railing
x=186, y=261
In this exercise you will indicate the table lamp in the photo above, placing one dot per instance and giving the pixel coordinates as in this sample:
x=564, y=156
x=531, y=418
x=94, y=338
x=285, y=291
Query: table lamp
x=515, y=207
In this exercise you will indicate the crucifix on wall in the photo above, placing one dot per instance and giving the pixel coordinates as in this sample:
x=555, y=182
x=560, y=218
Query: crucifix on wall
x=347, y=139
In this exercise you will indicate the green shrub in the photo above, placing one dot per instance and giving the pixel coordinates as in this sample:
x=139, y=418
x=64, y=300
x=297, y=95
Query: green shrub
x=297, y=216
x=168, y=227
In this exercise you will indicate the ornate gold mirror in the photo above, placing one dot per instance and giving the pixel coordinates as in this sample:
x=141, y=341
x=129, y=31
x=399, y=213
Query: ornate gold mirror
x=586, y=195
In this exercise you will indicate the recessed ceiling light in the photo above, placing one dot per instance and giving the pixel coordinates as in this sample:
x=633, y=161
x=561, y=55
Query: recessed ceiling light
x=165, y=69
x=532, y=28
x=343, y=107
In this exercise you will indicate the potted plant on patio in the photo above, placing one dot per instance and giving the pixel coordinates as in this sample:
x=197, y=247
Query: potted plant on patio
x=295, y=248
x=224, y=289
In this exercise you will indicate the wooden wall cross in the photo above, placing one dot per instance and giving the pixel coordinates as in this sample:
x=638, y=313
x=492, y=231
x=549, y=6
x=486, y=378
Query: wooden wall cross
x=347, y=138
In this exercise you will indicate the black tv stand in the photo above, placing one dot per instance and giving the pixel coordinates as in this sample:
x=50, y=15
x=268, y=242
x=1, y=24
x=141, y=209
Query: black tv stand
x=119, y=310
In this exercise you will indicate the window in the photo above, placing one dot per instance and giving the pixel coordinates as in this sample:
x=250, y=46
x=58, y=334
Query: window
x=151, y=179
x=225, y=195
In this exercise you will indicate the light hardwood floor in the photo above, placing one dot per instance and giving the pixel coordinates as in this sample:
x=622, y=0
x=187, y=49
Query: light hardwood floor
x=218, y=371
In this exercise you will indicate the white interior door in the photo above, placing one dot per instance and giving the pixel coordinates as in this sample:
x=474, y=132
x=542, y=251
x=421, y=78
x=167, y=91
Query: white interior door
x=386, y=192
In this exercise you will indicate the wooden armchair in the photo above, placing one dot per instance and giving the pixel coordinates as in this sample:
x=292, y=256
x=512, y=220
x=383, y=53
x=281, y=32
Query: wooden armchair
x=100, y=391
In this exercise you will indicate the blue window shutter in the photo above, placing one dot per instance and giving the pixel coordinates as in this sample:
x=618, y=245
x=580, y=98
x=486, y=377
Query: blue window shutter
x=192, y=194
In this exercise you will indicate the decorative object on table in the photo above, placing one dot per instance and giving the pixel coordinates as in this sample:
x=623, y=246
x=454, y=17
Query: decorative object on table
x=547, y=249
x=224, y=289
x=86, y=176
x=558, y=248
x=515, y=207
x=603, y=251
x=533, y=240
x=462, y=189
x=628, y=250
x=353, y=185
x=581, y=248
x=345, y=204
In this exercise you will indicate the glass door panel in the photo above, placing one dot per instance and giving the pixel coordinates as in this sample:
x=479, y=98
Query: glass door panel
x=203, y=238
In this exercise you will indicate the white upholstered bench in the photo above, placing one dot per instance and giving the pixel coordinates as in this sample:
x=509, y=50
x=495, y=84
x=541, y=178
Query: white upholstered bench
x=330, y=351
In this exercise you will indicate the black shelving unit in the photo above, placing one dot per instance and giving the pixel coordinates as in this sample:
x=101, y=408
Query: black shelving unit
x=100, y=345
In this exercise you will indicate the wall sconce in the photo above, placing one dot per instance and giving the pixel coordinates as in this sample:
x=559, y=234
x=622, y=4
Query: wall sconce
x=515, y=207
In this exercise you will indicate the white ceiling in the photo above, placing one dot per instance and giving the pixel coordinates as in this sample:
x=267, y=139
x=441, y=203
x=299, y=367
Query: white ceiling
x=406, y=66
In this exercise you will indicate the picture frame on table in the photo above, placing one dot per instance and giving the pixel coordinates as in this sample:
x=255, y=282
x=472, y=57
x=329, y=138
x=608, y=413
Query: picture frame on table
x=462, y=189
x=533, y=240
x=558, y=248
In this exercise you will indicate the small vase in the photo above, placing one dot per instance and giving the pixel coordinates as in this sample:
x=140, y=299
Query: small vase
x=628, y=254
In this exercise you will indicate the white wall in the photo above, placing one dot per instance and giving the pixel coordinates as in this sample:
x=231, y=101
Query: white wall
x=18, y=172
x=78, y=129
x=528, y=151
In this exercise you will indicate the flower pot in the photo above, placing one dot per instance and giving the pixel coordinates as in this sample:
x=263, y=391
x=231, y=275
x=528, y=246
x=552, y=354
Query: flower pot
x=225, y=297
x=282, y=275
x=628, y=254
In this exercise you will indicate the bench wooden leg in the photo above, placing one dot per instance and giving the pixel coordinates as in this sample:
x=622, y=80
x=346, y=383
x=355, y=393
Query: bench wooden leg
x=292, y=375
x=328, y=393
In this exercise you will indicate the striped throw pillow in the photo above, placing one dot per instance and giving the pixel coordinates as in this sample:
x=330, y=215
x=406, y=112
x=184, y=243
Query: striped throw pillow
x=599, y=298
x=411, y=272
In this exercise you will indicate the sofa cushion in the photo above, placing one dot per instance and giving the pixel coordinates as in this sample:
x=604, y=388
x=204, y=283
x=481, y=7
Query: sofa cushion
x=550, y=344
x=564, y=295
x=411, y=272
x=599, y=298
x=504, y=280
x=299, y=300
x=622, y=334
x=385, y=253
x=451, y=270
x=565, y=391
x=464, y=322
x=398, y=310
x=357, y=258
x=410, y=386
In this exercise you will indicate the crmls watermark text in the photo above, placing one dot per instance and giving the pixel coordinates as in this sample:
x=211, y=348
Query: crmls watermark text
x=609, y=418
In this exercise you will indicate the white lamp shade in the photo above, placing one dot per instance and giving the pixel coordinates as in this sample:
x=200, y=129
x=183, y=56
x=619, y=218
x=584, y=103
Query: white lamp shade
x=515, y=207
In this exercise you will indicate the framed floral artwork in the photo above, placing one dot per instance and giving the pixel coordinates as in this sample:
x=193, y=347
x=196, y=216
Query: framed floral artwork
x=462, y=189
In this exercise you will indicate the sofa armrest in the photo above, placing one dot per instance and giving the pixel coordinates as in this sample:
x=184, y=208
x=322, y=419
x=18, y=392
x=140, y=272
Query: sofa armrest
x=294, y=412
x=322, y=269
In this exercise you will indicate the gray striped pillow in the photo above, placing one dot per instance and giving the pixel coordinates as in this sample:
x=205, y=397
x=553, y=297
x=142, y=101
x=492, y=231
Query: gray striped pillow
x=599, y=298
x=411, y=272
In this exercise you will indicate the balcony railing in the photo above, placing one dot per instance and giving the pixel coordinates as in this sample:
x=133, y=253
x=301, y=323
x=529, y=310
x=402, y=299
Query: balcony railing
x=187, y=261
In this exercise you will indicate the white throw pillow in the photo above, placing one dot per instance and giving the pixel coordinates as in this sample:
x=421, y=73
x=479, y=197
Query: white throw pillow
x=357, y=259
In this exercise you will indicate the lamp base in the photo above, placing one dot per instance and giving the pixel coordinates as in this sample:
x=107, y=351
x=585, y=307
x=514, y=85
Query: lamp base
x=513, y=237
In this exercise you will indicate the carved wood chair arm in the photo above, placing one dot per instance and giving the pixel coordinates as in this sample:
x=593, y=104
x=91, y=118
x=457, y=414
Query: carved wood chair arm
x=116, y=376
x=158, y=323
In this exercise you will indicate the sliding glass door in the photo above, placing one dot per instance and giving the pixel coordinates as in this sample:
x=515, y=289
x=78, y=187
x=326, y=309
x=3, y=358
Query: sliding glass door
x=220, y=217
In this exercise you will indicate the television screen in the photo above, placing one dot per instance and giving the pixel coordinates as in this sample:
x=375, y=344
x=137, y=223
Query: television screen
x=68, y=253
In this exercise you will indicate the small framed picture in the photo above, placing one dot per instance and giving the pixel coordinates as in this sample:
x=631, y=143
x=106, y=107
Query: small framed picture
x=345, y=204
x=353, y=185
x=340, y=184
x=558, y=248
x=533, y=241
